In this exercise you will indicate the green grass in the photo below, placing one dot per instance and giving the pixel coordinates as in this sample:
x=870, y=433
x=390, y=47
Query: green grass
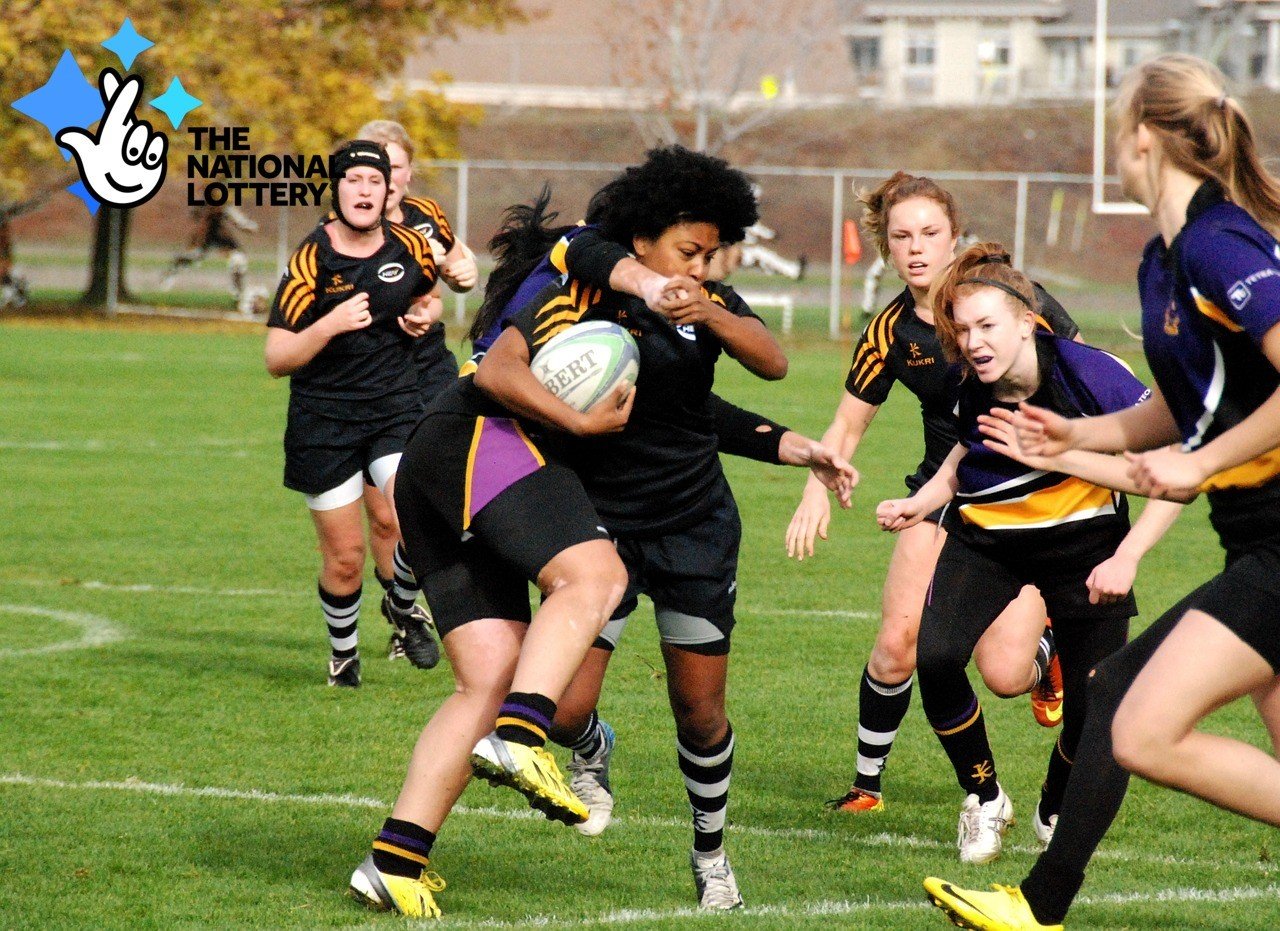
x=142, y=489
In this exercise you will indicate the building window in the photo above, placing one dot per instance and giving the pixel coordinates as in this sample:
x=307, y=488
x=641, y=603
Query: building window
x=1064, y=65
x=921, y=56
x=921, y=50
x=994, y=57
x=865, y=52
x=994, y=53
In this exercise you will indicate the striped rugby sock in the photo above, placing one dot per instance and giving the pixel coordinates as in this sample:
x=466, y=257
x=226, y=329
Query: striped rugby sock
x=402, y=848
x=588, y=743
x=404, y=587
x=340, y=615
x=881, y=708
x=525, y=718
x=706, y=778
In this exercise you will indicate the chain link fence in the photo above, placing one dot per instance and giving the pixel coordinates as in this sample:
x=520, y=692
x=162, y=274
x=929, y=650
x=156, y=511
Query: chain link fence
x=1043, y=218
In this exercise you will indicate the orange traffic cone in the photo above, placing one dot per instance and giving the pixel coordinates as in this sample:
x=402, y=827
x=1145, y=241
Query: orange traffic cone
x=852, y=243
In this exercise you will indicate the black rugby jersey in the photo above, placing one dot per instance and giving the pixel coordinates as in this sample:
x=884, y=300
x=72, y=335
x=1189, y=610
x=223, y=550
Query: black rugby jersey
x=662, y=473
x=1207, y=302
x=897, y=346
x=428, y=218
x=365, y=365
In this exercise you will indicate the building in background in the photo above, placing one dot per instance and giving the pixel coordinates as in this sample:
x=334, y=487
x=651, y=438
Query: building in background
x=910, y=52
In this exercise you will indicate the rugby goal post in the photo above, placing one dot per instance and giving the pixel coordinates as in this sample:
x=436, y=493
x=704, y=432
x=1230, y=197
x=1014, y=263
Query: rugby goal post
x=1100, y=203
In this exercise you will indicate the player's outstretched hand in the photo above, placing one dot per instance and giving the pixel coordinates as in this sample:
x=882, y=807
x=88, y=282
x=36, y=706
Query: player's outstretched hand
x=1041, y=432
x=898, y=514
x=1001, y=435
x=123, y=164
x=609, y=415
x=351, y=314
x=810, y=521
x=424, y=312
x=1166, y=473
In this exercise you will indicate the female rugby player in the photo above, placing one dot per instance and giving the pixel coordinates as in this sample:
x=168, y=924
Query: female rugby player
x=658, y=485
x=1210, y=288
x=1011, y=526
x=916, y=226
x=342, y=326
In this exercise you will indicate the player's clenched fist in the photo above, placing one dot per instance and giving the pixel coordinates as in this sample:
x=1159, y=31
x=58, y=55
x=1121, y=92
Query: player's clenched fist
x=351, y=314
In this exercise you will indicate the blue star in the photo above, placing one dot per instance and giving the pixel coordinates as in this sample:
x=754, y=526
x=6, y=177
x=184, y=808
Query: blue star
x=66, y=99
x=127, y=44
x=176, y=103
x=82, y=192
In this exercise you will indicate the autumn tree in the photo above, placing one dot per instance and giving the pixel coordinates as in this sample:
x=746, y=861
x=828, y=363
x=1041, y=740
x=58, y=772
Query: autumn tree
x=301, y=74
x=726, y=66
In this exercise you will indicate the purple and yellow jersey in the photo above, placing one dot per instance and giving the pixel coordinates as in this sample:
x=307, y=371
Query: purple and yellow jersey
x=998, y=498
x=550, y=270
x=897, y=347
x=1207, y=302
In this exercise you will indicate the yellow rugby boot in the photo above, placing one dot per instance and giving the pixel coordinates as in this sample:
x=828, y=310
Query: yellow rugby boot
x=531, y=771
x=1002, y=909
x=387, y=893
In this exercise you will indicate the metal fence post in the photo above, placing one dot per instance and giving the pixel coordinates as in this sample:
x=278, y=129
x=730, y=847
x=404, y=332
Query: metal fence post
x=1020, y=223
x=460, y=300
x=837, y=254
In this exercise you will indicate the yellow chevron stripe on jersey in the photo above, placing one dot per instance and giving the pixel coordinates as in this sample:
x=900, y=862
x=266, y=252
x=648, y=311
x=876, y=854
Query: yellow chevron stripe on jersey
x=1070, y=500
x=1214, y=312
x=1249, y=474
x=419, y=248
x=433, y=209
x=876, y=349
x=300, y=293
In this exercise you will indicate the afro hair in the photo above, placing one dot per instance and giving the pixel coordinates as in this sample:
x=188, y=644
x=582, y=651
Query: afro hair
x=674, y=185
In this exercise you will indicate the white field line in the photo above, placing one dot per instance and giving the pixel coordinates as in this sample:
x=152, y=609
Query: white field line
x=95, y=630
x=237, y=446
x=149, y=589
x=353, y=801
x=844, y=907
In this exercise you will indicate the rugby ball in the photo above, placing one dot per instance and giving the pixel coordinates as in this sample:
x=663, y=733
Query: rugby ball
x=586, y=362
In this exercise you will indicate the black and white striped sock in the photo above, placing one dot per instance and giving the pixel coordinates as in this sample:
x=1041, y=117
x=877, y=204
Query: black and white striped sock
x=404, y=587
x=587, y=743
x=881, y=708
x=340, y=614
x=706, y=778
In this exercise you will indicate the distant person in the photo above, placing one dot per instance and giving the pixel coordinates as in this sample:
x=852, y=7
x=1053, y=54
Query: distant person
x=13, y=288
x=434, y=365
x=214, y=230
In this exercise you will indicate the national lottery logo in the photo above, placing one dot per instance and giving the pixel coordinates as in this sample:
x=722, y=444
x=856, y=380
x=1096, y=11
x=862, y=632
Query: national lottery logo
x=123, y=162
x=122, y=158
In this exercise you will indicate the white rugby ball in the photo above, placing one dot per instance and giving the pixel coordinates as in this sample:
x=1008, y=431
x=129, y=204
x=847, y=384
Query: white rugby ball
x=586, y=362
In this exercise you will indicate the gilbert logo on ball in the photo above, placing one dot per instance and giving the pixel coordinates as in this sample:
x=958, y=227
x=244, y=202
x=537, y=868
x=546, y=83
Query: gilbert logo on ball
x=586, y=362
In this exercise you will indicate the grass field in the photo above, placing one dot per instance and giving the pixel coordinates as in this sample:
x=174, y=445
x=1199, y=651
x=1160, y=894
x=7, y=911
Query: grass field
x=171, y=757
